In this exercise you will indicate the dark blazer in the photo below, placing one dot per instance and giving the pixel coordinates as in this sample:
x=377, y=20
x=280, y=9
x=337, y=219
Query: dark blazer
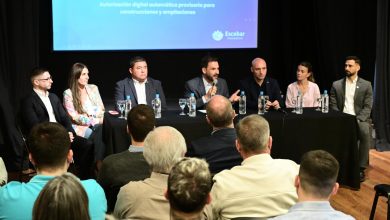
x=218, y=149
x=252, y=91
x=196, y=86
x=152, y=87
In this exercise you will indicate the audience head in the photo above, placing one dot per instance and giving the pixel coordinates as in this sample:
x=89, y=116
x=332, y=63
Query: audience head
x=305, y=71
x=220, y=112
x=189, y=185
x=253, y=135
x=140, y=121
x=78, y=78
x=164, y=146
x=352, y=65
x=62, y=198
x=49, y=146
x=138, y=68
x=210, y=68
x=41, y=79
x=259, y=69
x=318, y=174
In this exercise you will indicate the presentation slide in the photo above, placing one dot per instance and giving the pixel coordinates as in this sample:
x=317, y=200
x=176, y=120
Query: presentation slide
x=80, y=25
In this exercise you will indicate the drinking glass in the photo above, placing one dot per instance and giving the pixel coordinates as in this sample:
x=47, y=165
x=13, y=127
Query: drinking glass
x=266, y=97
x=182, y=104
x=121, y=107
x=319, y=102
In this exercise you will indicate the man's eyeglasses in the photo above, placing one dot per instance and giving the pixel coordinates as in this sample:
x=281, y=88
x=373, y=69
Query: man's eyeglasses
x=48, y=78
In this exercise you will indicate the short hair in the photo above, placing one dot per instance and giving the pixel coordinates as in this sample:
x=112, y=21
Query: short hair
x=49, y=145
x=189, y=184
x=136, y=59
x=220, y=111
x=163, y=147
x=207, y=59
x=74, y=76
x=140, y=121
x=37, y=72
x=354, y=58
x=253, y=133
x=318, y=173
x=62, y=198
x=309, y=70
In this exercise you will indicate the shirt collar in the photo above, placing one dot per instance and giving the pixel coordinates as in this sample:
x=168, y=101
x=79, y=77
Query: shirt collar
x=41, y=93
x=206, y=83
x=135, y=149
x=138, y=82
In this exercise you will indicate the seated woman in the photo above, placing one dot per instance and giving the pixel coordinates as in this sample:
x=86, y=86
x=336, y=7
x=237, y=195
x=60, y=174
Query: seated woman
x=305, y=84
x=83, y=103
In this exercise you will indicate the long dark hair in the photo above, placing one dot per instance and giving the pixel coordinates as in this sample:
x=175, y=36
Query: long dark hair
x=74, y=75
x=309, y=70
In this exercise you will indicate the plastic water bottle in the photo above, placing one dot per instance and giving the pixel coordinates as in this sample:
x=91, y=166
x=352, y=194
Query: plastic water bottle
x=325, y=102
x=242, y=104
x=128, y=105
x=261, y=103
x=192, y=106
x=298, y=104
x=157, y=106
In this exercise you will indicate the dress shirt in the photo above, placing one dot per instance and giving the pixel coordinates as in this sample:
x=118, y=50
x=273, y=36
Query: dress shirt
x=140, y=89
x=44, y=96
x=207, y=87
x=135, y=149
x=350, y=88
x=309, y=97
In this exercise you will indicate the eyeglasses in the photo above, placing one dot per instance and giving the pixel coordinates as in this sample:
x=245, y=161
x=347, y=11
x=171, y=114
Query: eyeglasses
x=48, y=78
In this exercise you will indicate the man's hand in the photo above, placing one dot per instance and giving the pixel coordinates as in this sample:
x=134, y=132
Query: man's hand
x=235, y=97
x=71, y=137
x=212, y=91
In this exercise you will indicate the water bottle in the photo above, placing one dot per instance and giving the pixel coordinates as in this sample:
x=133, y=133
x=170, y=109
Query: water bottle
x=157, y=106
x=242, y=104
x=325, y=102
x=192, y=106
x=128, y=105
x=298, y=104
x=261, y=103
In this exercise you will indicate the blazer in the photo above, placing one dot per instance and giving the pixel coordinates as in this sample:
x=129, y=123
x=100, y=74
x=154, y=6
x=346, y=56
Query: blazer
x=196, y=86
x=152, y=87
x=362, y=100
x=252, y=91
x=218, y=149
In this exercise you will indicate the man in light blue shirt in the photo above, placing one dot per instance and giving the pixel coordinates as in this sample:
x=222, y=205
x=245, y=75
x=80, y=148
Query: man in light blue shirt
x=50, y=153
x=316, y=183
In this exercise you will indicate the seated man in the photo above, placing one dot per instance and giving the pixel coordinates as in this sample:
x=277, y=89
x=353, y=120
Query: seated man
x=51, y=155
x=164, y=146
x=141, y=88
x=130, y=165
x=315, y=184
x=189, y=185
x=209, y=84
x=259, y=81
x=43, y=106
x=261, y=186
x=218, y=149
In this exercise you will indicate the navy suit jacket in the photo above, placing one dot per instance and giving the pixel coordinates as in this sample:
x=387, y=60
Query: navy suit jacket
x=252, y=91
x=126, y=87
x=196, y=86
x=218, y=149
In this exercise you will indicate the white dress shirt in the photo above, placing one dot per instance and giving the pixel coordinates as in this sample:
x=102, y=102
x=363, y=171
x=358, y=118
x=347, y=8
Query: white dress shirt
x=140, y=89
x=46, y=101
x=207, y=87
x=350, y=88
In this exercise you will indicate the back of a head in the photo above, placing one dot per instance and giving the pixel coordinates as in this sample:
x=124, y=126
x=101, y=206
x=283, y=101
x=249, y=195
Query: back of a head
x=189, y=185
x=318, y=173
x=220, y=111
x=62, y=198
x=49, y=145
x=140, y=121
x=163, y=147
x=253, y=134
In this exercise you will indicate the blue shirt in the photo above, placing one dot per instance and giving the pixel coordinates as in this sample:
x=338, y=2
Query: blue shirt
x=17, y=199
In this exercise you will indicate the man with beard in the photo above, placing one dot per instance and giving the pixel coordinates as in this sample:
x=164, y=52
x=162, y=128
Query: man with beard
x=353, y=95
x=209, y=84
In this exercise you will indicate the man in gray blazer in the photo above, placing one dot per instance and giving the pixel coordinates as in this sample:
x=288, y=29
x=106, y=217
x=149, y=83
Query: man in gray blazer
x=353, y=95
x=209, y=84
x=141, y=88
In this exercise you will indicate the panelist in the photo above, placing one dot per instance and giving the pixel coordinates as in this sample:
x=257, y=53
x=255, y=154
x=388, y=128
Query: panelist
x=141, y=88
x=259, y=81
x=208, y=84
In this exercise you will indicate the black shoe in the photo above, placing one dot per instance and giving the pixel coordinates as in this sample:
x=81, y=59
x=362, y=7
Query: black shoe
x=362, y=176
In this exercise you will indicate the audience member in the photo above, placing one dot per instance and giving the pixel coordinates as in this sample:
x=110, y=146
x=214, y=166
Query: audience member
x=189, y=185
x=259, y=81
x=85, y=107
x=164, y=146
x=62, y=198
x=130, y=165
x=353, y=95
x=305, y=85
x=43, y=106
x=260, y=187
x=209, y=84
x=316, y=183
x=218, y=149
x=50, y=153
x=141, y=88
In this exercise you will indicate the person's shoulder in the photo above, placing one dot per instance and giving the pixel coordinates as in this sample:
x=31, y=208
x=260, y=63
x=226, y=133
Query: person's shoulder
x=13, y=188
x=287, y=164
x=194, y=80
x=123, y=81
x=68, y=92
x=364, y=81
x=92, y=86
x=91, y=187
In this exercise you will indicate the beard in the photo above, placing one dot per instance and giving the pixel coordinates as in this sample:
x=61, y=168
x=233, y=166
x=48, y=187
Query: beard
x=349, y=74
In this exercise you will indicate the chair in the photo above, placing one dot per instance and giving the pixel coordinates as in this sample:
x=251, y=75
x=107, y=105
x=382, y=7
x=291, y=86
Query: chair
x=381, y=190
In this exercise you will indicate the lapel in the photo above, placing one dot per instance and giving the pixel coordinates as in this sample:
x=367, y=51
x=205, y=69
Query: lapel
x=148, y=92
x=202, y=89
x=132, y=89
x=343, y=92
x=357, y=90
x=38, y=100
x=54, y=106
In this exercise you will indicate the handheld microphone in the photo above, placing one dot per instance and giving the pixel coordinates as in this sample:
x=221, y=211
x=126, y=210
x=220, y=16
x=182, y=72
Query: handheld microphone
x=215, y=82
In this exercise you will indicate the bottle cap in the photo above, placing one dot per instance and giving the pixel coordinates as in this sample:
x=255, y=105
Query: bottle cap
x=261, y=93
x=192, y=94
x=157, y=95
x=242, y=92
x=325, y=91
x=128, y=97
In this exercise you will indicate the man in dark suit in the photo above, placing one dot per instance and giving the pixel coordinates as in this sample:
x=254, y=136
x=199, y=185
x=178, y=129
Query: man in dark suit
x=353, y=95
x=209, y=84
x=218, y=149
x=259, y=81
x=141, y=88
x=43, y=106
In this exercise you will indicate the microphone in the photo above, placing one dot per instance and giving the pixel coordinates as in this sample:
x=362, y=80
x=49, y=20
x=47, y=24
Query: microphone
x=282, y=111
x=215, y=82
